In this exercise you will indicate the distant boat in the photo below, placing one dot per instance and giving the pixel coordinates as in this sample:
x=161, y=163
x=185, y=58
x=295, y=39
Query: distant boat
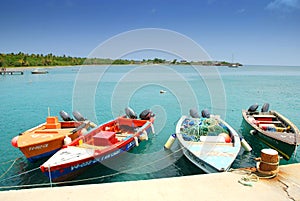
x=47, y=138
x=102, y=143
x=162, y=91
x=233, y=65
x=39, y=71
x=208, y=141
x=273, y=129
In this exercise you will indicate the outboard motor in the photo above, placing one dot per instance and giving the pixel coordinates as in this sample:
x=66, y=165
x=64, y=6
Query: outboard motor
x=205, y=113
x=130, y=113
x=194, y=113
x=65, y=116
x=265, y=107
x=146, y=114
x=253, y=108
x=78, y=116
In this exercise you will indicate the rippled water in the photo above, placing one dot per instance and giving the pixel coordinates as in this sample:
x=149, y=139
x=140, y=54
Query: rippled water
x=101, y=93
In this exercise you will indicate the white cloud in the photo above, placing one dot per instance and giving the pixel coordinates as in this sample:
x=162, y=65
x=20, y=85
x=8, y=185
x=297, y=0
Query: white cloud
x=285, y=5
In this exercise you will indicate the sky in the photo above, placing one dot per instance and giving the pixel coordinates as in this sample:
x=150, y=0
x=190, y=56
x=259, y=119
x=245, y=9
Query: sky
x=254, y=32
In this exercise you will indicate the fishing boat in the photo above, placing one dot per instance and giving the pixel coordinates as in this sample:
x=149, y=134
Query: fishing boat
x=100, y=144
x=39, y=71
x=273, y=129
x=208, y=141
x=47, y=138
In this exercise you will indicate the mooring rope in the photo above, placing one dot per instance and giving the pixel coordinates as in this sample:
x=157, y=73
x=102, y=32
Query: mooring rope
x=14, y=161
x=19, y=175
x=80, y=180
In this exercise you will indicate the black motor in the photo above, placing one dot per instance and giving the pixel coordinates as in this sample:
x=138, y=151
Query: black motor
x=194, y=113
x=146, y=114
x=130, y=113
x=205, y=113
x=265, y=107
x=65, y=116
x=253, y=108
x=78, y=116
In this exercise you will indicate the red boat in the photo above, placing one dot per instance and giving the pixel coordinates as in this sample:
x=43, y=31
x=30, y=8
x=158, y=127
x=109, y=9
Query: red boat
x=102, y=143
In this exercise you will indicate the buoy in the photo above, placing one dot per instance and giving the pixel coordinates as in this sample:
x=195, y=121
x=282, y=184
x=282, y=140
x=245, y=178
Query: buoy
x=67, y=140
x=93, y=125
x=144, y=136
x=170, y=141
x=226, y=137
x=136, y=141
x=14, y=141
x=245, y=145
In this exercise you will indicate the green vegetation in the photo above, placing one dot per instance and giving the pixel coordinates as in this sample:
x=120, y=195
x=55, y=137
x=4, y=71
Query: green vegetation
x=21, y=59
x=26, y=60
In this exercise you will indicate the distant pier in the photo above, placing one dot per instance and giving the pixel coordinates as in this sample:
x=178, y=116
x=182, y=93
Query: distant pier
x=11, y=72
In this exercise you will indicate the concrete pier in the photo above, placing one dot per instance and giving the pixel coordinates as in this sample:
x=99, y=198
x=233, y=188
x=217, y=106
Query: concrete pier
x=220, y=186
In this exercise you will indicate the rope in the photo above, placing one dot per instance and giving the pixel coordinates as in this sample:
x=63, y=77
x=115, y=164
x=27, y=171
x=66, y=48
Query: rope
x=80, y=180
x=14, y=161
x=20, y=174
x=2, y=163
x=118, y=173
x=248, y=180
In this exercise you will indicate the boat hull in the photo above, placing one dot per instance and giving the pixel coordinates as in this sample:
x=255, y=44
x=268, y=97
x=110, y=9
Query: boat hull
x=38, y=151
x=210, y=157
x=80, y=157
x=44, y=140
x=283, y=142
x=284, y=149
x=72, y=170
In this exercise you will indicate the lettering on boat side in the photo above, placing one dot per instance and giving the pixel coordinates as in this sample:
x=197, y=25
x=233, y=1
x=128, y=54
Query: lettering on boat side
x=38, y=147
x=130, y=145
x=83, y=164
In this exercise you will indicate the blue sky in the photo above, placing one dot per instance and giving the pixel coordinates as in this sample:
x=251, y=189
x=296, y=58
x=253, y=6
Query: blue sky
x=264, y=32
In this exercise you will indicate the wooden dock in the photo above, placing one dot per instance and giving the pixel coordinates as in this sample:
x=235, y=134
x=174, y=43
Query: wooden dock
x=11, y=72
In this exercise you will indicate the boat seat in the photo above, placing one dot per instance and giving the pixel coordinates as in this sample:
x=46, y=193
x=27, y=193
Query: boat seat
x=264, y=116
x=46, y=132
x=268, y=122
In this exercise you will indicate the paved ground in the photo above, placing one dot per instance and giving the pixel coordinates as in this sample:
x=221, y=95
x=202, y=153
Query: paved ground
x=220, y=186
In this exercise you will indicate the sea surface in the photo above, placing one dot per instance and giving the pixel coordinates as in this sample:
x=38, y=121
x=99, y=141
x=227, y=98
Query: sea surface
x=101, y=93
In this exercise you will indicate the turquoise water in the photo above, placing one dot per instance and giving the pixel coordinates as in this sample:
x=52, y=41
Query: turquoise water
x=101, y=93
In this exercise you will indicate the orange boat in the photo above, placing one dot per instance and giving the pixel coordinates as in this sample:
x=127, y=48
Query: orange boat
x=47, y=138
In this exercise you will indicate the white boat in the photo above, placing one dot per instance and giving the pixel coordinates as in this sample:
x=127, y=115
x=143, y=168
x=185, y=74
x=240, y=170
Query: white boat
x=208, y=141
x=39, y=71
